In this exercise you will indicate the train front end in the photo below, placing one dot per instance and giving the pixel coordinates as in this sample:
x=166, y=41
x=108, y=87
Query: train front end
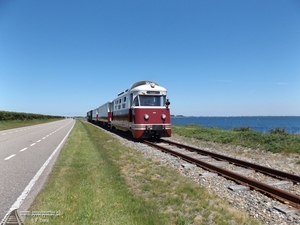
x=150, y=112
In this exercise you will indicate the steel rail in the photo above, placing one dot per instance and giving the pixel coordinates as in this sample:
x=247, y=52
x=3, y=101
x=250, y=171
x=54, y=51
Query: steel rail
x=12, y=219
x=284, y=196
x=263, y=169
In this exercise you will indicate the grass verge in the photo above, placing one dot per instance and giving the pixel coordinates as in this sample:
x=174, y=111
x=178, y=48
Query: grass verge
x=284, y=143
x=96, y=180
x=5, y=125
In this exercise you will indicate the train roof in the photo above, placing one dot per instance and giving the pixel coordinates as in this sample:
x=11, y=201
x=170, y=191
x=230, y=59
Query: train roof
x=141, y=83
x=147, y=86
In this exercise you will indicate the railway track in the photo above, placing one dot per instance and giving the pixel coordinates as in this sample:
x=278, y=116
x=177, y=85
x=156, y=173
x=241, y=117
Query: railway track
x=280, y=194
x=12, y=219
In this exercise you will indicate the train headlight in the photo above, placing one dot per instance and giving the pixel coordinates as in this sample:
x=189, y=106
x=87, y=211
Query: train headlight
x=146, y=116
x=163, y=116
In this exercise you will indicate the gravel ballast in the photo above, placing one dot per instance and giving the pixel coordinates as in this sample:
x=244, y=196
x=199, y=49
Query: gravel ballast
x=257, y=205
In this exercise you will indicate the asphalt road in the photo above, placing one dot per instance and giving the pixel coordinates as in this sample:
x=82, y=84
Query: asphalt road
x=26, y=157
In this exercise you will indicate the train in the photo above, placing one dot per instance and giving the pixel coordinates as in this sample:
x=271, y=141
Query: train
x=142, y=110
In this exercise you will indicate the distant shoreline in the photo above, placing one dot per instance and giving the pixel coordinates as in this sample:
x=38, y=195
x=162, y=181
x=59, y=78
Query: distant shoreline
x=262, y=124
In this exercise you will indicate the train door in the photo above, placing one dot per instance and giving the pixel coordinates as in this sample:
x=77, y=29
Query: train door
x=130, y=108
x=112, y=111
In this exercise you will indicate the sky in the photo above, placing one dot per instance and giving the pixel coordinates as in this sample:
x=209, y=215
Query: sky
x=215, y=58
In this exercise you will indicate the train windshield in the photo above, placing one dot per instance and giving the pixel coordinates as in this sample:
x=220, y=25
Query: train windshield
x=148, y=100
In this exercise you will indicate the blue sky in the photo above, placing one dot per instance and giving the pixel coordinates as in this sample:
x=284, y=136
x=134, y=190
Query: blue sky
x=215, y=58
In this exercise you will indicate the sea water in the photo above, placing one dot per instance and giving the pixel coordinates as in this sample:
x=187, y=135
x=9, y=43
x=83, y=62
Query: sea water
x=261, y=123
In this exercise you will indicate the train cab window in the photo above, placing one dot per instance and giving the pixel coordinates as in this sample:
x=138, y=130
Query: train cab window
x=144, y=100
x=136, y=101
x=152, y=100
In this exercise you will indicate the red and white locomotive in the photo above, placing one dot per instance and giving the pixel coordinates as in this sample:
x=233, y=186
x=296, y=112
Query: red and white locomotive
x=142, y=109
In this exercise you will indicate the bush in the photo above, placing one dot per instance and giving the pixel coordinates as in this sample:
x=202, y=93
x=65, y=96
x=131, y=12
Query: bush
x=8, y=116
x=242, y=129
x=279, y=131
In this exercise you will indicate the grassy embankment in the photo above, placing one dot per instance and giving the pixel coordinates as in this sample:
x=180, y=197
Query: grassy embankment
x=277, y=141
x=97, y=180
x=10, y=120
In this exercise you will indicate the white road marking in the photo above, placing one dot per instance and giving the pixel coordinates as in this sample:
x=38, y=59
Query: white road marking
x=32, y=144
x=44, y=138
x=9, y=157
x=39, y=141
x=22, y=150
x=24, y=194
x=4, y=134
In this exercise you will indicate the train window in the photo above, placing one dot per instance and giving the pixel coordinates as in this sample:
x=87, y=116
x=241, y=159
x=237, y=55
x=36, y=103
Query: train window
x=152, y=100
x=147, y=100
x=119, y=106
x=123, y=105
x=119, y=100
x=159, y=100
x=124, y=100
x=136, y=101
x=153, y=92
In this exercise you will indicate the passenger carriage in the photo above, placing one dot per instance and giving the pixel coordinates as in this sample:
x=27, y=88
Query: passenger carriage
x=101, y=115
x=89, y=115
x=104, y=114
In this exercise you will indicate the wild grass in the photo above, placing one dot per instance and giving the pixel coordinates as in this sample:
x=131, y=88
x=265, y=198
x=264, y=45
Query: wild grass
x=277, y=141
x=97, y=180
x=87, y=188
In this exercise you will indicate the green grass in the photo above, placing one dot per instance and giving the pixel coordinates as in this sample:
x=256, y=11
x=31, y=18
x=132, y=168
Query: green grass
x=96, y=180
x=10, y=124
x=277, y=141
x=87, y=188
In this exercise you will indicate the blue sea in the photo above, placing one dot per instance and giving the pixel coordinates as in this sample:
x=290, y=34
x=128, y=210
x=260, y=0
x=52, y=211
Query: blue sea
x=261, y=124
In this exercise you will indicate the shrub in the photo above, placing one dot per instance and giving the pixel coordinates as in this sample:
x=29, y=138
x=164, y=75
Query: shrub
x=8, y=116
x=242, y=129
x=279, y=131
